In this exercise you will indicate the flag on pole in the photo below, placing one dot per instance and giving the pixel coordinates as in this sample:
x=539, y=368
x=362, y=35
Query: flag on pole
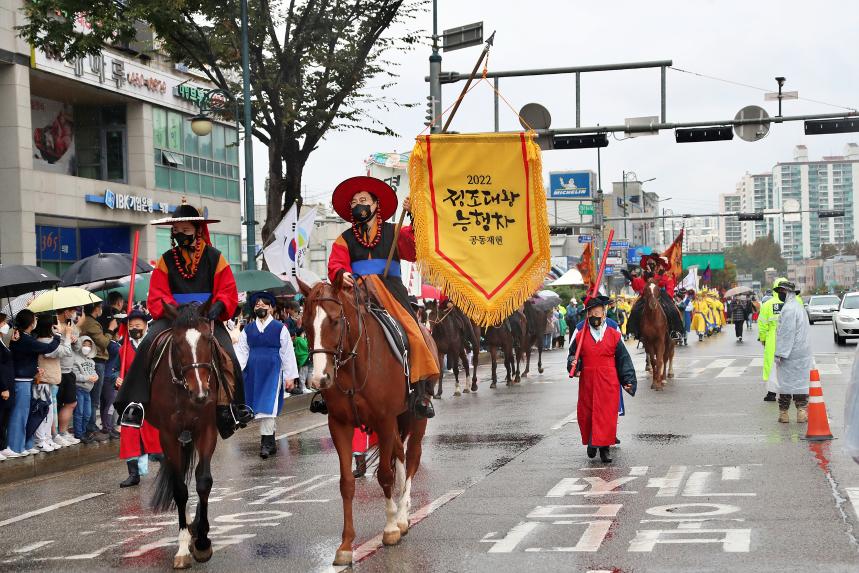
x=707, y=276
x=586, y=266
x=674, y=255
x=285, y=256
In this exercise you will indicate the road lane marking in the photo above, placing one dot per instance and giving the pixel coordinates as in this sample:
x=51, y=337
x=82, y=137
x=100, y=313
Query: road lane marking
x=296, y=432
x=370, y=547
x=48, y=508
x=568, y=420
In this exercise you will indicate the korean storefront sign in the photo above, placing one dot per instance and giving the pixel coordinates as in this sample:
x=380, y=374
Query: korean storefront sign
x=114, y=72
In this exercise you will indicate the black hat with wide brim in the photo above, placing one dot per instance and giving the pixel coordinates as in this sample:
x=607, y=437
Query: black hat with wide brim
x=595, y=301
x=185, y=213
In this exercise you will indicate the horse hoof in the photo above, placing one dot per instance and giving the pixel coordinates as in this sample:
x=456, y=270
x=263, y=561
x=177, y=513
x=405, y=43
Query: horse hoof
x=391, y=537
x=342, y=558
x=201, y=555
x=404, y=527
x=182, y=562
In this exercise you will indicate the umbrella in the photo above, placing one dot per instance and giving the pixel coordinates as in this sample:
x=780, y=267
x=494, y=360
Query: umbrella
x=19, y=279
x=737, y=290
x=429, y=291
x=102, y=267
x=253, y=280
x=62, y=297
x=569, y=278
x=141, y=288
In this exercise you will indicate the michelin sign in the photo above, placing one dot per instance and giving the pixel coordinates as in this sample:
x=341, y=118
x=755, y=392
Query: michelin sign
x=571, y=184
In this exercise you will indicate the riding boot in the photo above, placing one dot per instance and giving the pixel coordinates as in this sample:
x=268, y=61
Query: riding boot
x=421, y=403
x=360, y=465
x=133, y=474
x=604, y=455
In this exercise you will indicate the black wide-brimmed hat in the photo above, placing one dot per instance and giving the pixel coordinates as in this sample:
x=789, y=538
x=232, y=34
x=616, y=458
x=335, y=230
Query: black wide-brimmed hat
x=595, y=301
x=184, y=213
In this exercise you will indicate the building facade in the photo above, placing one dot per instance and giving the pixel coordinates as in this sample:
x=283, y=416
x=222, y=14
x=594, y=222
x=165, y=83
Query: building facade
x=96, y=148
x=730, y=229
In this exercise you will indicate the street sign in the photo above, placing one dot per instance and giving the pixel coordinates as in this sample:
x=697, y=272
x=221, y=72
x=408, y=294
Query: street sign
x=570, y=184
x=613, y=261
x=462, y=37
x=534, y=116
x=585, y=239
x=586, y=209
x=752, y=131
x=621, y=244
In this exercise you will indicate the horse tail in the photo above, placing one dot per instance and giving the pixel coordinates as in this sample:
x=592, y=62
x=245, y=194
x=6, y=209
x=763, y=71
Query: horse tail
x=166, y=480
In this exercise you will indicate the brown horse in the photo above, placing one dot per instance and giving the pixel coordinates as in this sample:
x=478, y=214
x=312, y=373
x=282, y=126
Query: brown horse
x=184, y=395
x=452, y=332
x=536, y=321
x=504, y=336
x=363, y=384
x=655, y=336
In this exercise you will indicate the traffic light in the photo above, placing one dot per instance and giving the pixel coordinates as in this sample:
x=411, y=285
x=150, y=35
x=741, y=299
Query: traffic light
x=703, y=134
x=825, y=126
x=830, y=213
x=580, y=141
x=750, y=216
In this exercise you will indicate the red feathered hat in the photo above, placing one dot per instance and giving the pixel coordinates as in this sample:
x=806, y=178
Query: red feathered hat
x=376, y=187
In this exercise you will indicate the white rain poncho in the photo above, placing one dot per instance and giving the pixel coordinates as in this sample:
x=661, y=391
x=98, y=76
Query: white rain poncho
x=794, y=359
x=851, y=412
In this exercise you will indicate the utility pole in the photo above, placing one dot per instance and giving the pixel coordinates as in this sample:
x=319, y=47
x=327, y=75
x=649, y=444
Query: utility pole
x=435, y=74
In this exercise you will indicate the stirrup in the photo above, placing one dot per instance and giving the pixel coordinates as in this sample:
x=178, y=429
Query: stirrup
x=133, y=415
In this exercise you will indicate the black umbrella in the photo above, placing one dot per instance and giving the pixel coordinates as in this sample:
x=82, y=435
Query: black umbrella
x=19, y=279
x=102, y=267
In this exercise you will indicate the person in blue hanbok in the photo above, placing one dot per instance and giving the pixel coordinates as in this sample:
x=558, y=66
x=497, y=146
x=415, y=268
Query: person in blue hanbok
x=268, y=364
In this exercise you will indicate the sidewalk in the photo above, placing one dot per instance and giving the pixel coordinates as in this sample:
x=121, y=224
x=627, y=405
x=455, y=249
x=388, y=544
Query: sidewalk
x=72, y=457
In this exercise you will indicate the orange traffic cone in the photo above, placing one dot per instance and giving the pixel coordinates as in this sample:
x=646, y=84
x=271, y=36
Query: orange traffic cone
x=818, y=423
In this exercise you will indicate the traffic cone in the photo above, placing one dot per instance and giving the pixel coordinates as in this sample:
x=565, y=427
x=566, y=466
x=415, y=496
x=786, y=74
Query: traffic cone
x=818, y=424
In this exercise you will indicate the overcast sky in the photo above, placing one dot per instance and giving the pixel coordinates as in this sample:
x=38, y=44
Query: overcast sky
x=812, y=44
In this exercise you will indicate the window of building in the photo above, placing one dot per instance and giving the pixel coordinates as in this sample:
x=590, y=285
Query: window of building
x=100, y=142
x=231, y=247
x=193, y=165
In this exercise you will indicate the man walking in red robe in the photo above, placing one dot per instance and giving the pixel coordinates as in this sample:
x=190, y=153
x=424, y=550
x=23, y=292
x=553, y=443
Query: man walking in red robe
x=604, y=368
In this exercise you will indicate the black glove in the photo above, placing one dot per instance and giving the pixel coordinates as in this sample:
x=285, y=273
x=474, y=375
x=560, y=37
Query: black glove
x=216, y=310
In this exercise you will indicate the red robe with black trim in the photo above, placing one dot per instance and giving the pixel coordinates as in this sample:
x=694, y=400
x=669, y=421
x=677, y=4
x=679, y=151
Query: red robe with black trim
x=214, y=278
x=134, y=442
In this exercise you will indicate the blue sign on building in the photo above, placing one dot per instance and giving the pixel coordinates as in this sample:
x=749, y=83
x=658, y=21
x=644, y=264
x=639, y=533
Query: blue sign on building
x=570, y=184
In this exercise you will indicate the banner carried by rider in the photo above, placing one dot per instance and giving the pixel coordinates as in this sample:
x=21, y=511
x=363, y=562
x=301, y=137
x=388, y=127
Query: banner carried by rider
x=481, y=227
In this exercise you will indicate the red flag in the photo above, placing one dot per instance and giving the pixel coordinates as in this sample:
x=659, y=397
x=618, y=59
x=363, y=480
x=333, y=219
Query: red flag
x=586, y=266
x=674, y=255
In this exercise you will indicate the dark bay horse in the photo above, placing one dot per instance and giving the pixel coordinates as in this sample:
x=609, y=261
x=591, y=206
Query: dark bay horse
x=453, y=333
x=184, y=395
x=536, y=321
x=507, y=337
x=655, y=337
x=364, y=385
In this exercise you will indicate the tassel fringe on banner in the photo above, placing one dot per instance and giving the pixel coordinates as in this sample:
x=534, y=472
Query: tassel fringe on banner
x=522, y=286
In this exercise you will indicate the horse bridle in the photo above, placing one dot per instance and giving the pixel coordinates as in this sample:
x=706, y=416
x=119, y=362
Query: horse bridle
x=179, y=378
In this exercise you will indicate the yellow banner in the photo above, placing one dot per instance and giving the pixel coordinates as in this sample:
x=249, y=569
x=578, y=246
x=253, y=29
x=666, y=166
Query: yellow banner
x=481, y=226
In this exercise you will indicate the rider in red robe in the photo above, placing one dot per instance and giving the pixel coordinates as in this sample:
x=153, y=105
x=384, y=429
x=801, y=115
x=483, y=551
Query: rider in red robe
x=604, y=367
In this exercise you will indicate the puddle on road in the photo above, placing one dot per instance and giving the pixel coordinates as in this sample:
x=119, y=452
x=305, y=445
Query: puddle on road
x=661, y=438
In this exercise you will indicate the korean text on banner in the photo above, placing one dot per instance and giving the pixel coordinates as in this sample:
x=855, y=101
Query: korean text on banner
x=481, y=227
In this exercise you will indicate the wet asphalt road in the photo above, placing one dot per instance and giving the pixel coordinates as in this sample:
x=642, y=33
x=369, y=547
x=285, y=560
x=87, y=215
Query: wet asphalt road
x=704, y=480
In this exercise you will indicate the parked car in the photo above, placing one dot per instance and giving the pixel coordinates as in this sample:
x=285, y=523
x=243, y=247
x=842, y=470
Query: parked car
x=845, y=322
x=821, y=307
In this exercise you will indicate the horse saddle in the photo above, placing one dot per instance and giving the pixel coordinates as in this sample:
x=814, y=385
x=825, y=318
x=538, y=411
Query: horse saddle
x=394, y=333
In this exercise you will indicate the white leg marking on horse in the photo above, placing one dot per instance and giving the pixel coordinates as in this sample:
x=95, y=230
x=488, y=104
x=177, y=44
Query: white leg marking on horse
x=319, y=360
x=184, y=543
x=192, y=337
